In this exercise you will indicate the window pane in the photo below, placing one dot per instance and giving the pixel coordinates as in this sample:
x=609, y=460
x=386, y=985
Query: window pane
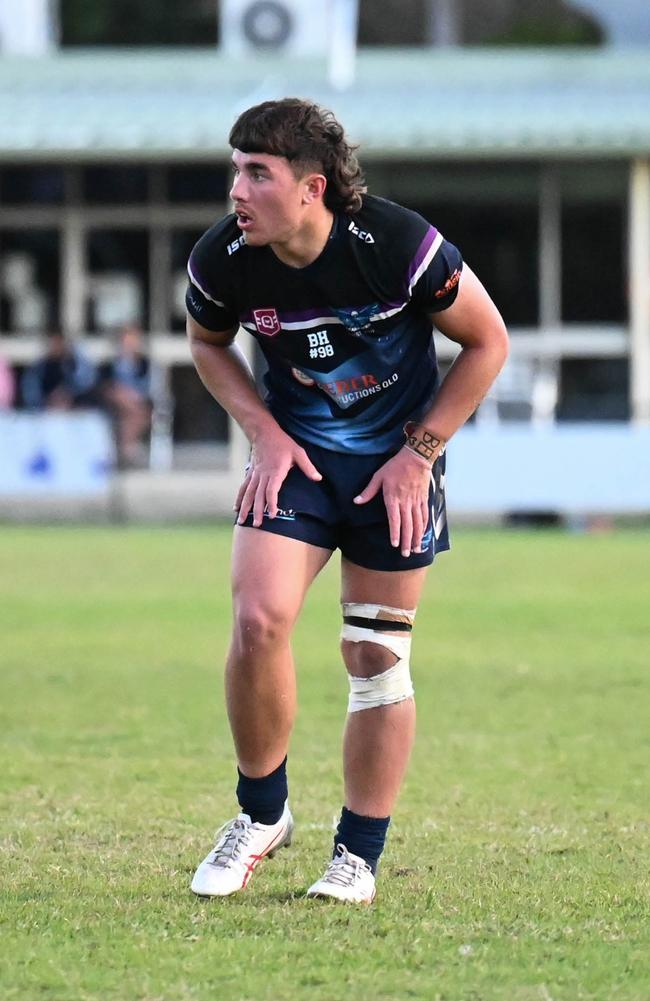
x=118, y=281
x=460, y=183
x=593, y=270
x=26, y=185
x=29, y=280
x=115, y=185
x=202, y=183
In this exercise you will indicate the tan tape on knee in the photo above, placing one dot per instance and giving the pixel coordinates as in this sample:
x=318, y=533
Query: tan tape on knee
x=383, y=612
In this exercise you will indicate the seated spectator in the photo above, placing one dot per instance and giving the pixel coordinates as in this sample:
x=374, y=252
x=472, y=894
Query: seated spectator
x=125, y=388
x=7, y=384
x=63, y=379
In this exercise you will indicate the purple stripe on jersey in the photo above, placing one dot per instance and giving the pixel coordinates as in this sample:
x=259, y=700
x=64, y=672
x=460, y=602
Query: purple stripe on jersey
x=298, y=317
x=323, y=311
x=305, y=314
x=191, y=267
x=421, y=253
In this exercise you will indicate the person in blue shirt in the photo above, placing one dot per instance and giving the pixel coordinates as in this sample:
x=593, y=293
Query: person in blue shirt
x=126, y=389
x=62, y=379
x=341, y=290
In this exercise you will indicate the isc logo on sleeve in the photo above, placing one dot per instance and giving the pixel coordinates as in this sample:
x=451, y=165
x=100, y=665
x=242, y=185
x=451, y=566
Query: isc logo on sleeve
x=236, y=244
x=362, y=234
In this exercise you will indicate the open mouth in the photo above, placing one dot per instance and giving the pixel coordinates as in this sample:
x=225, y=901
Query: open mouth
x=243, y=219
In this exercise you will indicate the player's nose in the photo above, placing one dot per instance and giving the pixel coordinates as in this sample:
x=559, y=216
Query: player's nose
x=238, y=189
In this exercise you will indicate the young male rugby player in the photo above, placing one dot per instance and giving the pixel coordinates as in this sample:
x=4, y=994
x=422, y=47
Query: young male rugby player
x=340, y=289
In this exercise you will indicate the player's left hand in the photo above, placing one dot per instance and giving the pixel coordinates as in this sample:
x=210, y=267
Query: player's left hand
x=404, y=481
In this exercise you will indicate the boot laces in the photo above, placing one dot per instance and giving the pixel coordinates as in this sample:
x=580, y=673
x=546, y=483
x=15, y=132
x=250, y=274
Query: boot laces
x=345, y=869
x=235, y=835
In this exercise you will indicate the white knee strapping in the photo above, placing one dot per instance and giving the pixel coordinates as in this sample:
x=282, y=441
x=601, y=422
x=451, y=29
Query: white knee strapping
x=385, y=689
x=393, y=685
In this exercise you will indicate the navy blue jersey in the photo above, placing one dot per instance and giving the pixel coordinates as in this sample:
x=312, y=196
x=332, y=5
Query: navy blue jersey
x=348, y=339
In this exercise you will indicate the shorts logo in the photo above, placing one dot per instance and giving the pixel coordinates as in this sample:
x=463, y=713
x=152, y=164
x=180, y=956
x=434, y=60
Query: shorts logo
x=267, y=322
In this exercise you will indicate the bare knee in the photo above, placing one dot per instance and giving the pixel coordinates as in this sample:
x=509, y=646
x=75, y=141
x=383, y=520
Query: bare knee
x=258, y=626
x=366, y=659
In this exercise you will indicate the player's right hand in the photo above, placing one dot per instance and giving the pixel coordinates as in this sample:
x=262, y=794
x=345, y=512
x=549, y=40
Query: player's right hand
x=273, y=453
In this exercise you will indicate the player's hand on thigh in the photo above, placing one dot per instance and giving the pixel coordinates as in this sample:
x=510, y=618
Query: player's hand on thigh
x=242, y=489
x=404, y=481
x=273, y=453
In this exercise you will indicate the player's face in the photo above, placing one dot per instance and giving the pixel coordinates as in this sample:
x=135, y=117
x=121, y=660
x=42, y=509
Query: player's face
x=269, y=201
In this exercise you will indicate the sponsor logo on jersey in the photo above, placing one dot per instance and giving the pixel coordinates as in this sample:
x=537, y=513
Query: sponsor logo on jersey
x=233, y=247
x=267, y=322
x=346, y=392
x=361, y=234
x=302, y=377
x=353, y=385
x=450, y=284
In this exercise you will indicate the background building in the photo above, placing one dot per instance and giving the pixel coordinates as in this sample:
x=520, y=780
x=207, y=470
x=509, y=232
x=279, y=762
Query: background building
x=534, y=160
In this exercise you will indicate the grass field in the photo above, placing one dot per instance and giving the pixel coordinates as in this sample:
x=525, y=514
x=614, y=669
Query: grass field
x=518, y=863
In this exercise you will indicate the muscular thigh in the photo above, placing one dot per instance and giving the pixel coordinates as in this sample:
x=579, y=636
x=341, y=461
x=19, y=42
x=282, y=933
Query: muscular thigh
x=272, y=572
x=396, y=588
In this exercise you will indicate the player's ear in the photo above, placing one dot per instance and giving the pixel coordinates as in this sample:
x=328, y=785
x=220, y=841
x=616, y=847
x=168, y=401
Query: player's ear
x=314, y=188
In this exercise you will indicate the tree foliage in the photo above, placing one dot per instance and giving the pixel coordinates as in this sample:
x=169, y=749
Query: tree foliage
x=381, y=22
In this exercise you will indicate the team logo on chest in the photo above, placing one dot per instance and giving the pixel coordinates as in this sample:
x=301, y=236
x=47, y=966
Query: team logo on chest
x=358, y=321
x=267, y=322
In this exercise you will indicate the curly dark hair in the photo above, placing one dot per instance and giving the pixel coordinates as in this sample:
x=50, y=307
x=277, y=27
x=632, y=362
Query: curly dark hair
x=310, y=138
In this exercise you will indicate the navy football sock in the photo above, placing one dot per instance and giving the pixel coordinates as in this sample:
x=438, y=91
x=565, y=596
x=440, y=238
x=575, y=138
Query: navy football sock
x=363, y=836
x=263, y=799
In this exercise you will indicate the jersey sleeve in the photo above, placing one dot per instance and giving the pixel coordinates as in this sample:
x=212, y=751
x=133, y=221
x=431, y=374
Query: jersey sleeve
x=408, y=260
x=435, y=272
x=205, y=302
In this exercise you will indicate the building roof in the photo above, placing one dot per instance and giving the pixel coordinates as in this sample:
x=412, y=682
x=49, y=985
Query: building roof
x=149, y=104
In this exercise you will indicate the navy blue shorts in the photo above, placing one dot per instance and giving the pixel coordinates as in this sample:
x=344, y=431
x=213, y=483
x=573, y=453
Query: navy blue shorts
x=323, y=513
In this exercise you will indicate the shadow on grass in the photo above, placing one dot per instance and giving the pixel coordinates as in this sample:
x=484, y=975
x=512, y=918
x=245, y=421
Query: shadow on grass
x=244, y=900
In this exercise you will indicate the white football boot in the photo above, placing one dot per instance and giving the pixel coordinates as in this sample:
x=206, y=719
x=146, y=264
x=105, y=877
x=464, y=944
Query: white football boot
x=348, y=877
x=241, y=846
